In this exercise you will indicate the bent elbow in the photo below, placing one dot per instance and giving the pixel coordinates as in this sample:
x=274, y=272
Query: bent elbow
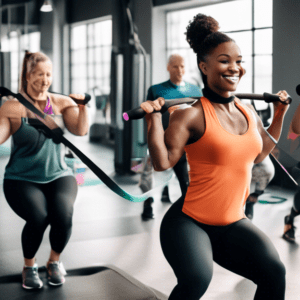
x=80, y=131
x=83, y=133
x=160, y=167
x=259, y=159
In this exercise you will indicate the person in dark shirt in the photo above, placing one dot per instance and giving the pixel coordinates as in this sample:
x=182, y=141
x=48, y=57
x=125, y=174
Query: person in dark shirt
x=173, y=88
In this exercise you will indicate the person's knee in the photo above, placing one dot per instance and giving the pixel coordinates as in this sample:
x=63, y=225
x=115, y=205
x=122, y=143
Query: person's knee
x=195, y=285
x=64, y=223
x=273, y=272
x=62, y=219
x=38, y=221
x=278, y=269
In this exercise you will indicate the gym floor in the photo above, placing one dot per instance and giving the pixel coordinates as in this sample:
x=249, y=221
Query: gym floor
x=108, y=230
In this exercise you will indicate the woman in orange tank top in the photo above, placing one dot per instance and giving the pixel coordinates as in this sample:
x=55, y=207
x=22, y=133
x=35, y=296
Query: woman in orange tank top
x=222, y=138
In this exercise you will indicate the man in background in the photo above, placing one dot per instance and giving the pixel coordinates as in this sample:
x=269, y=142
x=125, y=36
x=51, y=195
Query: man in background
x=173, y=88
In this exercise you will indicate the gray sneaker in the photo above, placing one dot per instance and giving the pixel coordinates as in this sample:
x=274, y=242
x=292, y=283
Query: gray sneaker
x=30, y=278
x=56, y=272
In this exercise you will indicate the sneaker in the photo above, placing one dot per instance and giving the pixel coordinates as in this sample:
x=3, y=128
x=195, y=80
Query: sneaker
x=289, y=230
x=148, y=210
x=30, y=278
x=56, y=273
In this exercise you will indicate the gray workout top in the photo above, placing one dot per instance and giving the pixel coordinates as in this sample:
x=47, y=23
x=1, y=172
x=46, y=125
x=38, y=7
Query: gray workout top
x=34, y=157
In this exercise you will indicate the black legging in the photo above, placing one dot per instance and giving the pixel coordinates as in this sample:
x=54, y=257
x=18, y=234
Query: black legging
x=191, y=247
x=40, y=205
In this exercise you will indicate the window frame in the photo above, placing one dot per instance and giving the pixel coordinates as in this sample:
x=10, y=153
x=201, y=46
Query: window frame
x=253, y=30
x=88, y=48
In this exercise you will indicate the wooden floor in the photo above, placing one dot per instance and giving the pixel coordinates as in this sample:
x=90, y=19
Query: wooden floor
x=109, y=230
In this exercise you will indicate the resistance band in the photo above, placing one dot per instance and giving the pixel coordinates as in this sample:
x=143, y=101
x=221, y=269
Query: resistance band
x=58, y=137
x=278, y=201
x=138, y=112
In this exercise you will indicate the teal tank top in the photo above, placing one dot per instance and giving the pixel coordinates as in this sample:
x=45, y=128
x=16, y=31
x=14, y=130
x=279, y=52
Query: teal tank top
x=35, y=157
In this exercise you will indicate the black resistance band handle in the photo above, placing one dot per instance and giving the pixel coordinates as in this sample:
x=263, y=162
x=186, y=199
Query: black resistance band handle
x=265, y=97
x=56, y=133
x=138, y=113
x=87, y=98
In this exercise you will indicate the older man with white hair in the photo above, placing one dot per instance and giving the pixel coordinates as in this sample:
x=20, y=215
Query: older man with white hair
x=173, y=88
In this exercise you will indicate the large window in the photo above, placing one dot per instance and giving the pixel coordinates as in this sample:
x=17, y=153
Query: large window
x=16, y=44
x=90, y=57
x=248, y=22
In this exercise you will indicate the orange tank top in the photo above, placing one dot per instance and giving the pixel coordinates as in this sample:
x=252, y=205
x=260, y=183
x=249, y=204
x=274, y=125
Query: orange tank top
x=220, y=169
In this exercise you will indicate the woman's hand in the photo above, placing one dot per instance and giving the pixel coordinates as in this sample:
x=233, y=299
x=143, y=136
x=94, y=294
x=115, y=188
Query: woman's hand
x=274, y=129
x=280, y=107
x=150, y=106
x=75, y=116
x=77, y=97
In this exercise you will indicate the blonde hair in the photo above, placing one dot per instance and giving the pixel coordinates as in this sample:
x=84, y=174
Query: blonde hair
x=29, y=63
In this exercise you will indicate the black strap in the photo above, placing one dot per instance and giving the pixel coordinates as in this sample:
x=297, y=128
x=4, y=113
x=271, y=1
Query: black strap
x=57, y=134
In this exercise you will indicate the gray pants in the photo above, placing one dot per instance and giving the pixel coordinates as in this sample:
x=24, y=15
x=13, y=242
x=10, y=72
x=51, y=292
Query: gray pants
x=262, y=174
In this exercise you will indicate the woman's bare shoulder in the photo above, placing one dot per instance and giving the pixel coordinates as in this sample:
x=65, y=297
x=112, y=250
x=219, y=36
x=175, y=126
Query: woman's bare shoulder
x=12, y=108
x=60, y=102
x=191, y=116
x=60, y=99
x=189, y=112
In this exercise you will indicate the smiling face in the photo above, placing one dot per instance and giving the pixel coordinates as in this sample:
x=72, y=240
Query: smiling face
x=40, y=79
x=176, y=68
x=223, y=68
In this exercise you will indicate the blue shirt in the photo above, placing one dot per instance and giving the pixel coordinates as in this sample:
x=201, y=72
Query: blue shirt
x=169, y=90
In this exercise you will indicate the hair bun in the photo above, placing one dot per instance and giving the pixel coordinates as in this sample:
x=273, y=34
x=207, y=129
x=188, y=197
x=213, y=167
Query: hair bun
x=27, y=53
x=199, y=29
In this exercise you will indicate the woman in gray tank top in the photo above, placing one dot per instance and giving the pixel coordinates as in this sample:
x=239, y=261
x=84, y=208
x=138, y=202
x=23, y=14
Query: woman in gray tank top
x=38, y=185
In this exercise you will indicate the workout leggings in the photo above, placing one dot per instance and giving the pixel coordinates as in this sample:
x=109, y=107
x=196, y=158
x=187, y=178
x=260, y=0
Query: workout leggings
x=40, y=205
x=262, y=174
x=191, y=247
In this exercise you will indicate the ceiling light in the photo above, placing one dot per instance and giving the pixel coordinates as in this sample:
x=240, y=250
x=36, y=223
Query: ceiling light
x=46, y=6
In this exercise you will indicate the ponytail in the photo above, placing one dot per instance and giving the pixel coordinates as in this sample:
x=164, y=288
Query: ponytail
x=29, y=63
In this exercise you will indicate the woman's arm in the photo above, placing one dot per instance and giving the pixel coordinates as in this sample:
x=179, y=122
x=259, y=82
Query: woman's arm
x=294, y=131
x=75, y=116
x=275, y=128
x=295, y=124
x=166, y=148
x=5, y=127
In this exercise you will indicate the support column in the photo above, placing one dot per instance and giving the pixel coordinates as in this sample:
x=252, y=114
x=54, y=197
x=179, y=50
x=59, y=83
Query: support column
x=123, y=131
x=52, y=34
